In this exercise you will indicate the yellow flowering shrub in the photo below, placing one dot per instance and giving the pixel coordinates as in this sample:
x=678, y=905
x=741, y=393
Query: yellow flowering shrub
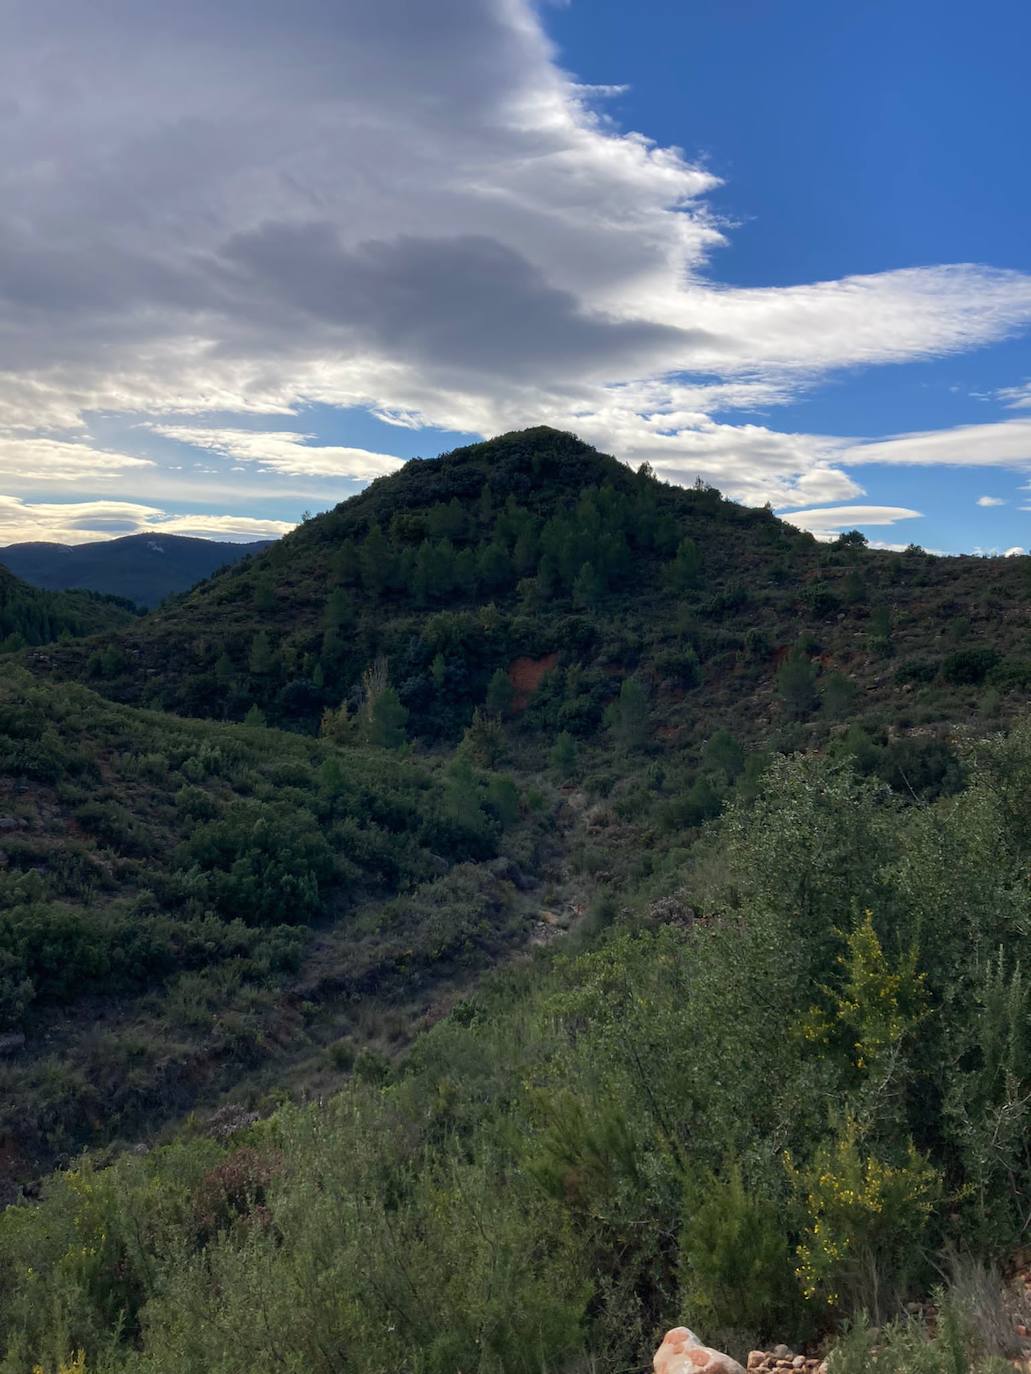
x=867, y=1219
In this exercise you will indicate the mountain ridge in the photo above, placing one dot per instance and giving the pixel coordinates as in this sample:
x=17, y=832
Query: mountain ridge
x=126, y=566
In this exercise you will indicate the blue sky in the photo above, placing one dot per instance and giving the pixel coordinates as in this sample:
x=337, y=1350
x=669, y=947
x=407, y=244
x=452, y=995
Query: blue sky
x=783, y=246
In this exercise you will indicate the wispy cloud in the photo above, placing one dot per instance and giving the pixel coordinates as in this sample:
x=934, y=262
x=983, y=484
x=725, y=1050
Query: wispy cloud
x=990, y=501
x=83, y=522
x=830, y=521
x=284, y=451
x=1016, y=397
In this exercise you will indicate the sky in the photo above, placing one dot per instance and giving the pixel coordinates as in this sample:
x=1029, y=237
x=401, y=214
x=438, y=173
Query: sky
x=254, y=255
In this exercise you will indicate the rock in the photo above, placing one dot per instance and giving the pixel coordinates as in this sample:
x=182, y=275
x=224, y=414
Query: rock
x=782, y=1352
x=11, y=1042
x=230, y=1119
x=756, y=1358
x=681, y=1352
x=8, y=823
x=798, y=1362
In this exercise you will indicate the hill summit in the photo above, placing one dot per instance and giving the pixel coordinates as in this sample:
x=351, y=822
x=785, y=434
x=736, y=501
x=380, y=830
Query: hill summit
x=534, y=549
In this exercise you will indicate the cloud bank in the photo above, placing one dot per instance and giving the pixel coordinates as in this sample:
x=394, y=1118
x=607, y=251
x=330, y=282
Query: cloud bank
x=243, y=208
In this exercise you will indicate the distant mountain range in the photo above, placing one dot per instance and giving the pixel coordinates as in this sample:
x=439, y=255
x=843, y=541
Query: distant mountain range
x=145, y=568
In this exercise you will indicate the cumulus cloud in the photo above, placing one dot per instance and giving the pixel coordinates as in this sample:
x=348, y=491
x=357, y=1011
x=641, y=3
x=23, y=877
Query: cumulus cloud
x=239, y=208
x=83, y=522
x=990, y=501
x=829, y=522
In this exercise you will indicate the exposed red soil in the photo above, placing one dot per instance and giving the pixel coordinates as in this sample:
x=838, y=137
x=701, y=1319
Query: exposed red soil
x=525, y=675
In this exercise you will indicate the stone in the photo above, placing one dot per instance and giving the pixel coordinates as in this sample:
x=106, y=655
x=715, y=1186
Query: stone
x=782, y=1352
x=756, y=1358
x=681, y=1352
x=798, y=1362
x=11, y=1042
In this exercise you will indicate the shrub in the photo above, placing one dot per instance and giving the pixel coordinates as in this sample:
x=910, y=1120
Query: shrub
x=969, y=667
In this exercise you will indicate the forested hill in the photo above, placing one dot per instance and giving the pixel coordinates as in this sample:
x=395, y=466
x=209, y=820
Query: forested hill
x=145, y=568
x=536, y=557
x=30, y=616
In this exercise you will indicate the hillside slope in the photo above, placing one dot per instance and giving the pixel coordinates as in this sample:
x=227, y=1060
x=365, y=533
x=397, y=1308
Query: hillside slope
x=532, y=552
x=177, y=898
x=145, y=568
x=31, y=616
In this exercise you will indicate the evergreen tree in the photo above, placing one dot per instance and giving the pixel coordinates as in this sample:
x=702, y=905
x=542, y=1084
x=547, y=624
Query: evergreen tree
x=563, y=756
x=495, y=568
x=438, y=671
x=264, y=596
x=484, y=740
x=685, y=570
x=348, y=565
x=262, y=660
x=796, y=684
x=724, y=754
x=224, y=670
x=387, y=719
x=377, y=561
x=588, y=588
x=627, y=716
x=337, y=726
x=255, y=716
x=500, y=693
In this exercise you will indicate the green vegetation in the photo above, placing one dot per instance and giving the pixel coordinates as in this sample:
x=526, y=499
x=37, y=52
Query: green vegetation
x=741, y=823
x=29, y=616
x=775, y=1116
x=177, y=875
x=534, y=544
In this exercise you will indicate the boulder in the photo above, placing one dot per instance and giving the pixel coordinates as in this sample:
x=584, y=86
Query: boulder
x=681, y=1352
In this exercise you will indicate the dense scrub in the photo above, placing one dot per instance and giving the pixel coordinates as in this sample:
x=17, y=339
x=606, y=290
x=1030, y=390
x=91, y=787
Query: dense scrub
x=535, y=546
x=767, y=1102
x=159, y=877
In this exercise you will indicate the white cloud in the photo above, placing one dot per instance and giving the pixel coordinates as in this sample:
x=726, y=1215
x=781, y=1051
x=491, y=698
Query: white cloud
x=83, y=522
x=1005, y=444
x=55, y=460
x=829, y=522
x=284, y=451
x=235, y=209
x=1016, y=397
x=1015, y=552
x=990, y=501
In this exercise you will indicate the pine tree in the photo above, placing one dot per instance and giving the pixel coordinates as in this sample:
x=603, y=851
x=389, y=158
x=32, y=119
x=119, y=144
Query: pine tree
x=347, y=564
x=500, y=693
x=588, y=588
x=495, y=568
x=438, y=671
x=387, y=719
x=255, y=716
x=377, y=561
x=685, y=570
x=796, y=683
x=563, y=756
x=627, y=716
x=262, y=660
x=224, y=669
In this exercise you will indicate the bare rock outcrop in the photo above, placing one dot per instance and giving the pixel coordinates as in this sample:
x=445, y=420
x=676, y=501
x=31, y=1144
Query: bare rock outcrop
x=681, y=1352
